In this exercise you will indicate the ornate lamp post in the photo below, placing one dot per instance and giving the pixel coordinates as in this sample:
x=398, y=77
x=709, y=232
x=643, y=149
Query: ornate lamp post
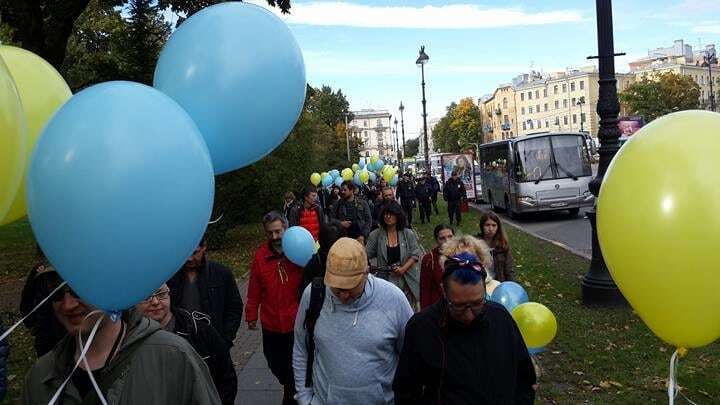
x=580, y=103
x=421, y=61
x=402, y=127
x=709, y=59
x=397, y=141
x=598, y=287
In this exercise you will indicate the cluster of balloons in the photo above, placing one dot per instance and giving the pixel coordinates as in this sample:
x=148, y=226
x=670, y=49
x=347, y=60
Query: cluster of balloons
x=536, y=322
x=123, y=173
x=360, y=173
x=660, y=201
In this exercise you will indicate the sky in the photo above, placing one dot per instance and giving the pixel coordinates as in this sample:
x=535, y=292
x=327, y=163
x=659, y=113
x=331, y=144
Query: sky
x=368, y=48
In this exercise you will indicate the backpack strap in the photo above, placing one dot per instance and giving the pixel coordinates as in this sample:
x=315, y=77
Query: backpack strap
x=317, y=298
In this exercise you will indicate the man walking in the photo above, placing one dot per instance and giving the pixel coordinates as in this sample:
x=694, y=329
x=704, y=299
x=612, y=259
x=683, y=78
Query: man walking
x=464, y=349
x=205, y=286
x=351, y=214
x=454, y=193
x=406, y=194
x=309, y=215
x=273, y=289
x=434, y=189
x=422, y=193
x=348, y=337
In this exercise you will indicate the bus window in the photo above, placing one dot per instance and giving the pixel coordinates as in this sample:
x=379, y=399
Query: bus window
x=570, y=156
x=534, y=161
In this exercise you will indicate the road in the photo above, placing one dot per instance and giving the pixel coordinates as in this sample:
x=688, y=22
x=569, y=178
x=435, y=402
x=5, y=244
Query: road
x=556, y=227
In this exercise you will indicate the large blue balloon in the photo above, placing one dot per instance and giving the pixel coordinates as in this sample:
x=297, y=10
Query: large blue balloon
x=394, y=181
x=238, y=71
x=327, y=180
x=356, y=179
x=335, y=173
x=373, y=177
x=379, y=165
x=298, y=245
x=510, y=294
x=339, y=181
x=361, y=163
x=120, y=190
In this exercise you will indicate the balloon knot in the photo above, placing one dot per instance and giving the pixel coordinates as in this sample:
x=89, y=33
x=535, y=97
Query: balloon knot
x=114, y=315
x=682, y=352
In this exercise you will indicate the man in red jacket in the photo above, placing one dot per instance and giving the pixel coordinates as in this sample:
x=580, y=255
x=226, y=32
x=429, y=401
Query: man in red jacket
x=309, y=215
x=273, y=287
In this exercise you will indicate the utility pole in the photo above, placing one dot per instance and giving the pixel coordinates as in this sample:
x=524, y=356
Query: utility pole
x=402, y=127
x=347, y=138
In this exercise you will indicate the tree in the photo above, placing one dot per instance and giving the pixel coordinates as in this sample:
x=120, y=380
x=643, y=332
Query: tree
x=44, y=26
x=332, y=108
x=466, y=123
x=444, y=138
x=412, y=147
x=655, y=96
x=147, y=34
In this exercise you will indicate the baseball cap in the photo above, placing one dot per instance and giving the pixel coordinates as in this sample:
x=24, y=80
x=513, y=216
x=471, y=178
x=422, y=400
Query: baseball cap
x=346, y=264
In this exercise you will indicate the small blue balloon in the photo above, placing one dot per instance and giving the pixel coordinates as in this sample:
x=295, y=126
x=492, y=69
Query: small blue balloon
x=334, y=173
x=339, y=181
x=535, y=350
x=373, y=177
x=327, y=180
x=120, y=191
x=361, y=163
x=379, y=165
x=370, y=166
x=394, y=181
x=239, y=73
x=510, y=294
x=298, y=245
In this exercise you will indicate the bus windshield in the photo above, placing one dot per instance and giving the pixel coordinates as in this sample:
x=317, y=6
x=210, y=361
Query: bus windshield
x=551, y=157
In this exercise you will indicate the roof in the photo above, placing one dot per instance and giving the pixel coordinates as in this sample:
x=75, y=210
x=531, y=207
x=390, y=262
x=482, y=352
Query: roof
x=532, y=136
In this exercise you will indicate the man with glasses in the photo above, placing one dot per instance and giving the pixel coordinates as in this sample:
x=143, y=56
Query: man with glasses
x=347, y=352
x=463, y=349
x=132, y=359
x=195, y=327
x=206, y=286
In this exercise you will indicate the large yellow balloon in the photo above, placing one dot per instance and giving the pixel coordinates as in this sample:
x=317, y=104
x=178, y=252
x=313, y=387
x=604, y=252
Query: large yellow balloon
x=364, y=176
x=659, y=226
x=13, y=131
x=347, y=174
x=42, y=91
x=315, y=179
x=537, y=324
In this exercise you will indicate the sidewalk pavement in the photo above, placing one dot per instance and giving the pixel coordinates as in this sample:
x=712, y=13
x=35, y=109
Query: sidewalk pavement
x=256, y=384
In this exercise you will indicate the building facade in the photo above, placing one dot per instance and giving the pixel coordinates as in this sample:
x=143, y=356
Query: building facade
x=372, y=128
x=499, y=114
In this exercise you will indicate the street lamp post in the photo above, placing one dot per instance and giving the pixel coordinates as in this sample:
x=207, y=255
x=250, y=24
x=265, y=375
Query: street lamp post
x=710, y=58
x=347, y=137
x=421, y=61
x=402, y=127
x=389, y=131
x=397, y=141
x=598, y=287
x=580, y=103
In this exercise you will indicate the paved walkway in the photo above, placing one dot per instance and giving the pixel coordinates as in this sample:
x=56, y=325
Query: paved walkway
x=256, y=384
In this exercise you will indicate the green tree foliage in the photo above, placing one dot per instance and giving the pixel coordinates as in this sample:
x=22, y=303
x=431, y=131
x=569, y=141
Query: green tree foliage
x=412, y=147
x=443, y=137
x=147, y=34
x=459, y=128
x=653, y=97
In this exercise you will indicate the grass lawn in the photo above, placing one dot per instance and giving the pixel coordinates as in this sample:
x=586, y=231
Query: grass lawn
x=599, y=356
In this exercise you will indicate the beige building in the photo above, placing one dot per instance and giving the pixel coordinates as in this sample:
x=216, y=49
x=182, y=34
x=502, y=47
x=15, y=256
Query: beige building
x=372, y=127
x=499, y=114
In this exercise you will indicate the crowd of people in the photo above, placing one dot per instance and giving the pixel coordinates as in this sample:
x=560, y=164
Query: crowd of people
x=372, y=318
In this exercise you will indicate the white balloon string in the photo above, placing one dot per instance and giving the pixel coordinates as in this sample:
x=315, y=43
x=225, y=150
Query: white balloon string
x=18, y=323
x=83, y=352
x=672, y=386
x=87, y=366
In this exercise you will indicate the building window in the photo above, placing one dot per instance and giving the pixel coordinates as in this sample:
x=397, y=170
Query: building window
x=379, y=123
x=574, y=118
x=522, y=110
x=557, y=104
x=555, y=90
x=572, y=86
x=557, y=121
x=531, y=124
x=537, y=93
x=565, y=120
x=573, y=101
x=544, y=92
x=506, y=119
x=546, y=106
x=537, y=108
x=365, y=134
x=564, y=87
x=524, y=126
x=530, y=110
x=564, y=103
x=529, y=95
x=547, y=124
x=539, y=124
x=702, y=81
x=365, y=123
x=582, y=85
x=504, y=102
x=522, y=96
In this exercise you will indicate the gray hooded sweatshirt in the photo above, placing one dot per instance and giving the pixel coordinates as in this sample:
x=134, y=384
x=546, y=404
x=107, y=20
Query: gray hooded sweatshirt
x=357, y=346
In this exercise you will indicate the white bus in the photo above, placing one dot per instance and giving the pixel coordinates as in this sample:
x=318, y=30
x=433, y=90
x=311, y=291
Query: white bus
x=539, y=172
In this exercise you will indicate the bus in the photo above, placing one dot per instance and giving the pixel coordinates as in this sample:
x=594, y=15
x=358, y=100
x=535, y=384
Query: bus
x=539, y=172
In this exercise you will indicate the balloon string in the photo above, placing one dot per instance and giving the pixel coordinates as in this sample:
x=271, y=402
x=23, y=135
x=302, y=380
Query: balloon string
x=87, y=366
x=673, y=387
x=83, y=352
x=18, y=323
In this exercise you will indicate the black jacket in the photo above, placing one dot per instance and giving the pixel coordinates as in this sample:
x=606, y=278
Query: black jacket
x=454, y=190
x=406, y=193
x=423, y=191
x=212, y=347
x=314, y=268
x=4, y=353
x=220, y=297
x=43, y=325
x=434, y=185
x=362, y=220
x=445, y=363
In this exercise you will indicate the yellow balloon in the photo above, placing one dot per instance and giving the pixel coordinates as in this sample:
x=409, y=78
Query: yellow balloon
x=537, y=324
x=347, y=174
x=315, y=179
x=355, y=167
x=364, y=176
x=658, y=221
x=323, y=174
x=13, y=131
x=42, y=91
x=388, y=175
x=373, y=159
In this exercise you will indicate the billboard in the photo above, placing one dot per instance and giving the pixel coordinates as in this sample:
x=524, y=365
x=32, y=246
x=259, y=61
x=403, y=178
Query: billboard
x=630, y=125
x=464, y=164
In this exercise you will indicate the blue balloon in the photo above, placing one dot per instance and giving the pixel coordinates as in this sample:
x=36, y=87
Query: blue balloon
x=327, y=180
x=334, y=173
x=379, y=165
x=510, y=294
x=120, y=191
x=239, y=73
x=361, y=163
x=373, y=177
x=394, y=181
x=339, y=181
x=356, y=179
x=298, y=245
x=370, y=167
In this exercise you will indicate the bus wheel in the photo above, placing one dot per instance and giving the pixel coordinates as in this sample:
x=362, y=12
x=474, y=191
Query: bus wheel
x=574, y=212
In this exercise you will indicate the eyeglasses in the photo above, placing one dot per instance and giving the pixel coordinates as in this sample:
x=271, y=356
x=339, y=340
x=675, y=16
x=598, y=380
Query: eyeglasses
x=160, y=296
x=475, y=307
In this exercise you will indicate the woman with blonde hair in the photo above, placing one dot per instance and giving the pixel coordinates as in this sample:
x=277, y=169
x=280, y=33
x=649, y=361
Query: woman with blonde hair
x=474, y=246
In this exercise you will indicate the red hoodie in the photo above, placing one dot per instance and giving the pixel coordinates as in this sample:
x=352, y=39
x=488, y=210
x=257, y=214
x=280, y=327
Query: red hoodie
x=430, y=279
x=273, y=286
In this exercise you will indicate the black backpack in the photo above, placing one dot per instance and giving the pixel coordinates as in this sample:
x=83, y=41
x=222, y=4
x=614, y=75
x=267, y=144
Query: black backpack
x=312, y=313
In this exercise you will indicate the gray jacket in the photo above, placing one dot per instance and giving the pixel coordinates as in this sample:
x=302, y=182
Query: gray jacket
x=376, y=247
